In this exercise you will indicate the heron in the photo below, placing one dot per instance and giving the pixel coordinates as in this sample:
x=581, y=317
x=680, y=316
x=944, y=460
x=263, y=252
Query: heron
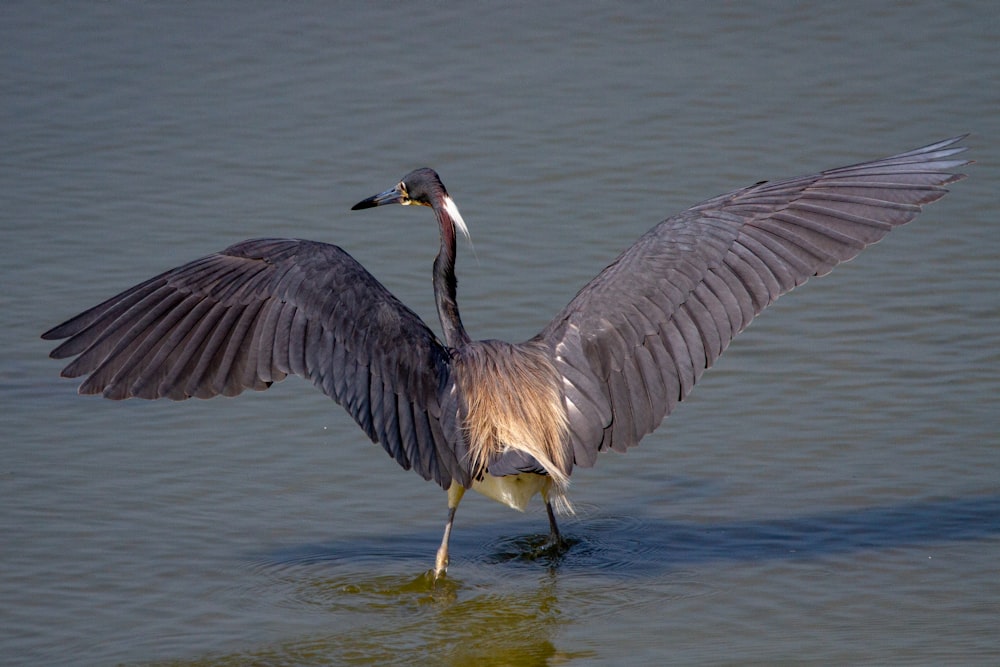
x=509, y=420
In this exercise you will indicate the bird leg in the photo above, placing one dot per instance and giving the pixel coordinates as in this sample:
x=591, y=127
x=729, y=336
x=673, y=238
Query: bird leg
x=554, y=536
x=455, y=493
x=555, y=539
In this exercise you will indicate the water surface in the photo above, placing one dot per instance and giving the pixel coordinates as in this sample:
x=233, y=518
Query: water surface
x=830, y=493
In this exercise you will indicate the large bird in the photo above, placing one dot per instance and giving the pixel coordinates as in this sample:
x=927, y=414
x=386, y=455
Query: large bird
x=510, y=420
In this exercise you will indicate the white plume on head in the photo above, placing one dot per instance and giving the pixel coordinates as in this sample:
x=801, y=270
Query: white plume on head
x=449, y=206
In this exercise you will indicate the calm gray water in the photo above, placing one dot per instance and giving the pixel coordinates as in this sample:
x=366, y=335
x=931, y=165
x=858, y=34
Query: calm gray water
x=830, y=493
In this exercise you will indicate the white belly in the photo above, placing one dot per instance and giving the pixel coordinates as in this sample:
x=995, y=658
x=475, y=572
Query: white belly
x=513, y=490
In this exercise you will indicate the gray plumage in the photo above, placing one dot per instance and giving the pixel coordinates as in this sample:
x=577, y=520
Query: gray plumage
x=636, y=338
x=259, y=311
x=627, y=348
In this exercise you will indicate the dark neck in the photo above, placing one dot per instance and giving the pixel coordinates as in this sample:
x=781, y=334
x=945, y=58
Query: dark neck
x=445, y=284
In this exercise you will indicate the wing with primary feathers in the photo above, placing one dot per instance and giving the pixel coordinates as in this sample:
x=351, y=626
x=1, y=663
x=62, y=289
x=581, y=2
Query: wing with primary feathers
x=260, y=310
x=634, y=340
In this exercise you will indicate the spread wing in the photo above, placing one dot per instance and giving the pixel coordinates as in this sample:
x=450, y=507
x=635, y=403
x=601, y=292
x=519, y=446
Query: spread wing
x=260, y=310
x=634, y=340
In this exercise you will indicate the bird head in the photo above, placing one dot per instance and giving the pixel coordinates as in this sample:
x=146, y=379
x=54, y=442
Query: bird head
x=421, y=187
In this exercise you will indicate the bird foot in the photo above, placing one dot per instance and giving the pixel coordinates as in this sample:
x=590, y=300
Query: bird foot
x=556, y=544
x=441, y=563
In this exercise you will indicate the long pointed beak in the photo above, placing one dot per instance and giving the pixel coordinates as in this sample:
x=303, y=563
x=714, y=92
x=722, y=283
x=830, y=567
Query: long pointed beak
x=393, y=196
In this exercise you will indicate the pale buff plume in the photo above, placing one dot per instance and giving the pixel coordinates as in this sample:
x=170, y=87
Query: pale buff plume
x=513, y=402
